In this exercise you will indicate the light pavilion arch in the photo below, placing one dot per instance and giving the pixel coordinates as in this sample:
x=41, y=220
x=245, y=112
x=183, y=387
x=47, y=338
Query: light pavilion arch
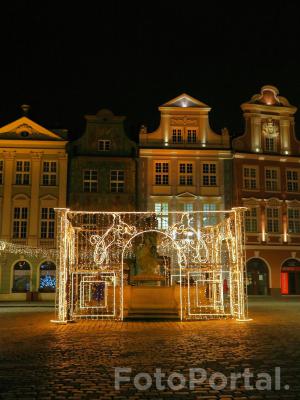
x=209, y=262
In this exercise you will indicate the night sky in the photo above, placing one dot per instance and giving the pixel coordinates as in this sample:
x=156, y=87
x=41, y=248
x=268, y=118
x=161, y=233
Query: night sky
x=71, y=60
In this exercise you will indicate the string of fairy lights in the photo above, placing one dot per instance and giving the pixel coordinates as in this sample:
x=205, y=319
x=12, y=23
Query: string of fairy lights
x=24, y=250
x=96, y=249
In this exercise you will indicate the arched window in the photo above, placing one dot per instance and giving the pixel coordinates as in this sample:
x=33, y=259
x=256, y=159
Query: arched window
x=21, y=279
x=290, y=277
x=47, y=277
x=257, y=277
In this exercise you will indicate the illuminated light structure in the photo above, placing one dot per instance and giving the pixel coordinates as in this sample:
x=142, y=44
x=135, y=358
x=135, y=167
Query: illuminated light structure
x=8, y=247
x=206, y=268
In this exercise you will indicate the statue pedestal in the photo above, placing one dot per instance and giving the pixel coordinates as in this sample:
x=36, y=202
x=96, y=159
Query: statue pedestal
x=148, y=280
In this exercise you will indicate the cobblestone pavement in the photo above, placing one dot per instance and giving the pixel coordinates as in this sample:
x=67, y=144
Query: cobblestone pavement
x=40, y=360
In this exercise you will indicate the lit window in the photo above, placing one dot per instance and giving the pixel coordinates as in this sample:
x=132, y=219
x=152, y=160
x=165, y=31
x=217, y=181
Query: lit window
x=103, y=145
x=47, y=277
x=292, y=178
x=272, y=219
x=117, y=181
x=209, y=215
x=188, y=207
x=47, y=223
x=191, y=135
x=20, y=222
x=185, y=174
x=90, y=180
x=161, y=173
x=22, y=172
x=1, y=171
x=270, y=144
x=209, y=174
x=250, y=175
x=49, y=173
x=272, y=179
x=21, y=278
x=294, y=220
x=177, y=135
x=251, y=220
x=161, y=210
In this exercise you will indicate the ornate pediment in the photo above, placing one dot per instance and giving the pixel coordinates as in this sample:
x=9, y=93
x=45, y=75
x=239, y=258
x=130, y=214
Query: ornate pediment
x=26, y=129
x=186, y=194
x=184, y=100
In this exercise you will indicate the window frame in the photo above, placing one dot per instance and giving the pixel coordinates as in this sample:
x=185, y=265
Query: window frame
x=272, y=219
x=163, y=174
x=162, y=208
x=297, y=181
x=294, y=221
x=250, y=178
x=89, y=181
x=47, y=222
x=104, y=141
x=20, y=223
x=272, y=180
x=118, y=183
x=23, y=172
x=209, y=174
x=186, y=176
x=49, y=173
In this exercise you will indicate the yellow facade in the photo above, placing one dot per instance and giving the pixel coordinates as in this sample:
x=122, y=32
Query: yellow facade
x=33, y=164
x=182, y=163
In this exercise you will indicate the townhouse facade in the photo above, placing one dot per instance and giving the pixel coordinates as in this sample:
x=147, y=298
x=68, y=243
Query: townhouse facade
x=266, y=180
x=182, y=166
x=103, y=166
x=33, y=181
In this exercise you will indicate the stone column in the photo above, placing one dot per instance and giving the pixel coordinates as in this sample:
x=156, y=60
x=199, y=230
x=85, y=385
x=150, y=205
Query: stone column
x=62, y=181
x=7, y=195
x=33, y=232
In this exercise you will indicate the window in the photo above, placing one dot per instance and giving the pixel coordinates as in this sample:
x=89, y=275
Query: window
x=292, y=179
x=20, y=222
x=177, y=135
x=103, y=145
x=250, y=178
x=47, y=277
x=251, y=220
x=161, y=210
x=191, y=135
x=1, y=171
x=271, y=179
x=47, y=223
x=270, y=144
x=117, y=181
x=90, y=180
x=185, y=174
x=188, y=207
x=294, y=220
x=161, y=173
x=209, y=217
x=209, y=174
x=22, y=172
x=21, y=280
x=272, y=219
x=49, y=173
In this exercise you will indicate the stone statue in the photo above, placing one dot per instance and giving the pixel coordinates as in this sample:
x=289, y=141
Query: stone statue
x=147, y=265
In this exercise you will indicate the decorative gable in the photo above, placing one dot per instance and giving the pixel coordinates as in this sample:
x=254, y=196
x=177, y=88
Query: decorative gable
x=184, y=100
x=26, y=129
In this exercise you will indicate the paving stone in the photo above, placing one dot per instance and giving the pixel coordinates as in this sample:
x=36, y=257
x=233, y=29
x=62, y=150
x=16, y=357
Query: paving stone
x=40, y=360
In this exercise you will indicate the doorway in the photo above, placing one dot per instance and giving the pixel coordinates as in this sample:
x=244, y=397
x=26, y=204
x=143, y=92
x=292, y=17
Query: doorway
x=257, y=277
